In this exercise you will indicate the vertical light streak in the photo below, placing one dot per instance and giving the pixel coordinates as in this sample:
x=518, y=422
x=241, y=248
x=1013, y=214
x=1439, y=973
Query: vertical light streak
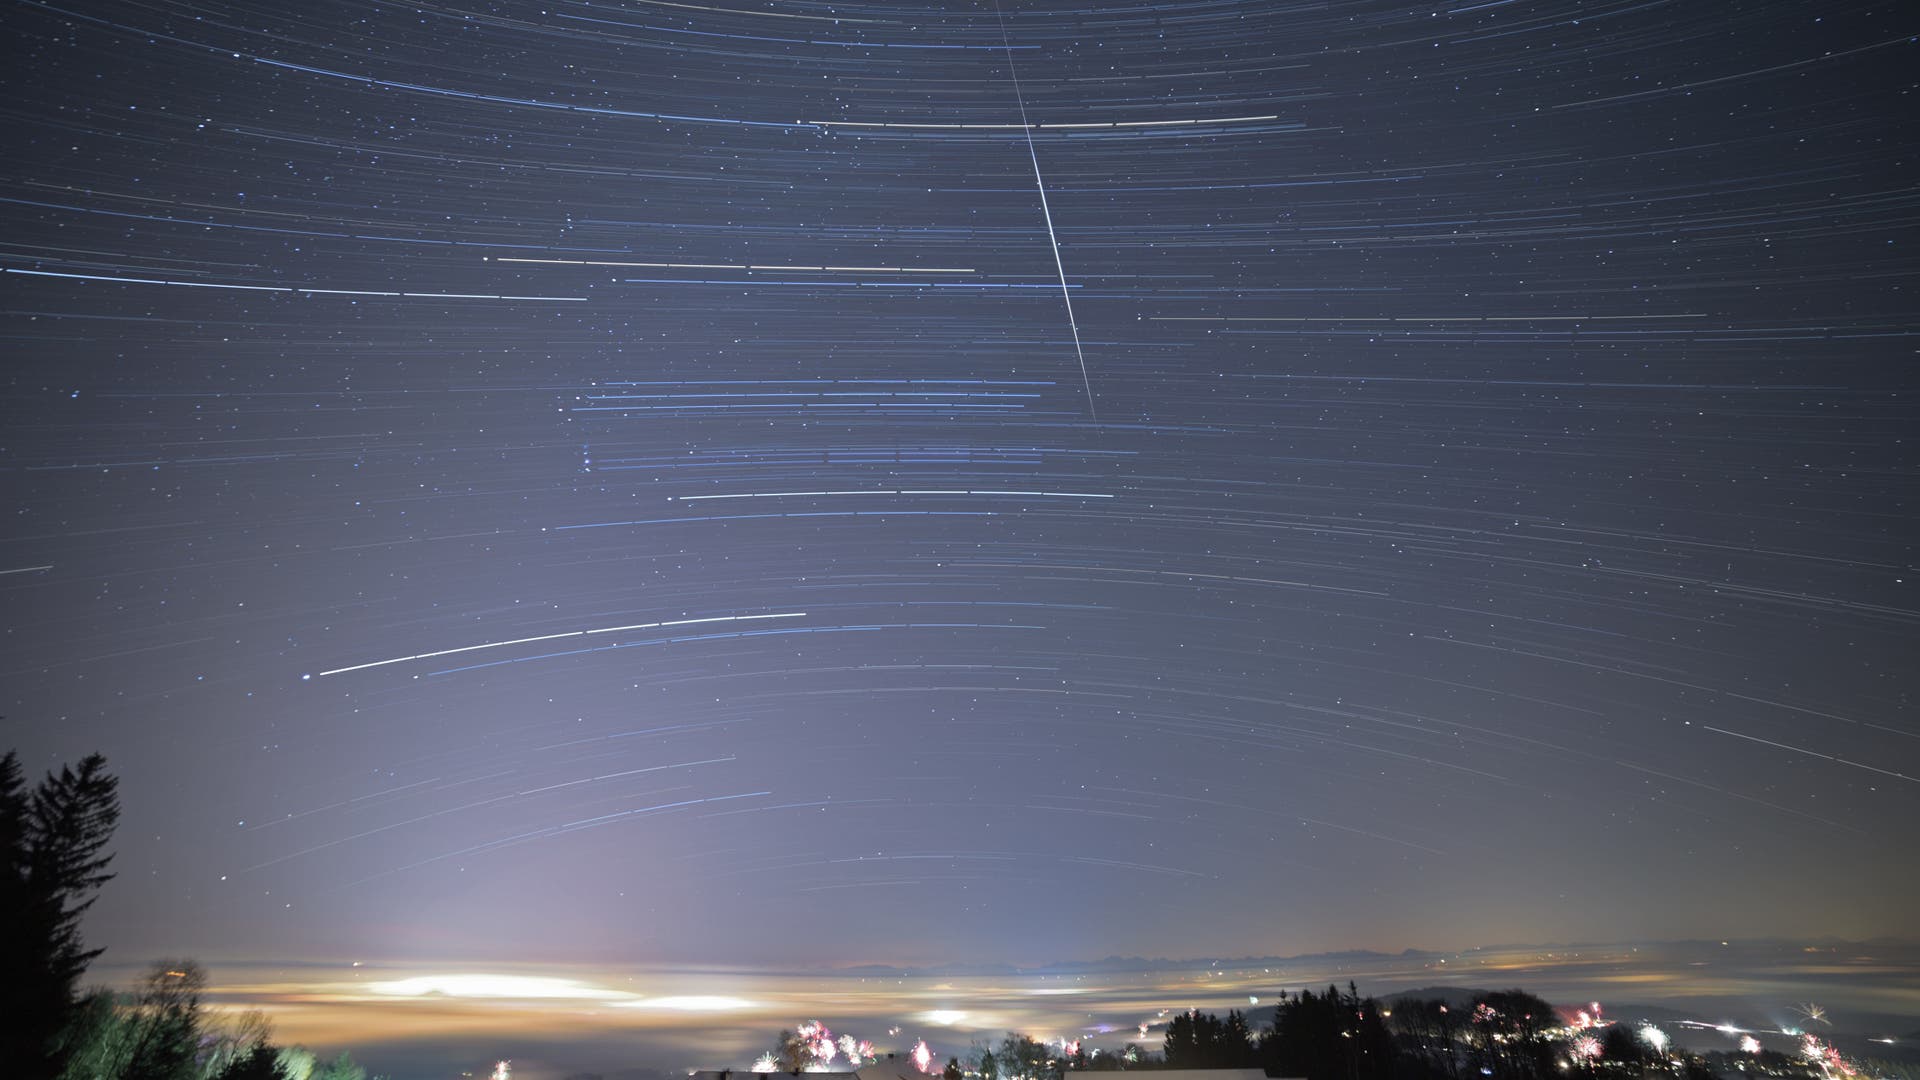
x=1046, y=212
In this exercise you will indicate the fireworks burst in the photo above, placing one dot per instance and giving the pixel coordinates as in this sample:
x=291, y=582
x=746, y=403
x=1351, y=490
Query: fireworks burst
x=858, y=1051
x=1826, y=1056
x=1813, y=1014
x=811, y=1047
x=819, y=1043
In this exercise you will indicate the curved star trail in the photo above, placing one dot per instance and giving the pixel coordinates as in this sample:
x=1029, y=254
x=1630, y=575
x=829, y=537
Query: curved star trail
x=630, y=462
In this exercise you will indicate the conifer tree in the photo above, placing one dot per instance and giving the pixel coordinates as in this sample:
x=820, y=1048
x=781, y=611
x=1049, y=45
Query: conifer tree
x=52, y=863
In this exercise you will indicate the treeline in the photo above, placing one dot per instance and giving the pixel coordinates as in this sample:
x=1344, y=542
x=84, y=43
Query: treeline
x=53, y=861
x=1497, y=1035
x=1334, y=1035
x=1340, y=1035
x=161, y=1032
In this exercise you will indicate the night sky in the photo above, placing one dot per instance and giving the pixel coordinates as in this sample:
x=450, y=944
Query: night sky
x=805, y=484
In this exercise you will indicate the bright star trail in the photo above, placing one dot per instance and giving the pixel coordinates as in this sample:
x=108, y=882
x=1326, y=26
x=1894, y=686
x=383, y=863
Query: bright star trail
x=621, y=483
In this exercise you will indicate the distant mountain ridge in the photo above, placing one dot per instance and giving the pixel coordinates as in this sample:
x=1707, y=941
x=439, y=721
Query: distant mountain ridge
x=1332, y=961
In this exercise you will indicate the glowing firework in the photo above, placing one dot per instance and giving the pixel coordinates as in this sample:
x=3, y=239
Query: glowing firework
x=1825, y=1056
x=1654, y=1037
x=502, y=1070
x=922, y=1056
x=1813, y=1014
x=820, y=1042
x=1586, y=1048
x=812, y=1048
x=1749, y=1044
x=858, y=1051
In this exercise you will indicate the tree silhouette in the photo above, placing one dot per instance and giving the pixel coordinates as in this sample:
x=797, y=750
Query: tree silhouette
x=1235, y=1048
x=1335, y=1036
x=1024, y=1058
x=1197, y=1040
x=52, y=845
x=1619, y=1046
x=1509, y=1032
x=340, y=1068
x=296, y=1062
x=1429, y=1033
x=260, y=1063
x=795, y=1053
x=1181, y=1047
x=99, y=1040
x=168, y=1016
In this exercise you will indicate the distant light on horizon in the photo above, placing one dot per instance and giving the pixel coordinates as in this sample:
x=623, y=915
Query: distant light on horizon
x=689, y=1003
x=523, y=987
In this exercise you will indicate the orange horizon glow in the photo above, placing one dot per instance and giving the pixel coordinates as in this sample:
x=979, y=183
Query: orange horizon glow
x=735, y=1014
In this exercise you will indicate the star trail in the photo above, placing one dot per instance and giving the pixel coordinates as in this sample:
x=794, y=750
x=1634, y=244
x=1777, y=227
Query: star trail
x=784, y=483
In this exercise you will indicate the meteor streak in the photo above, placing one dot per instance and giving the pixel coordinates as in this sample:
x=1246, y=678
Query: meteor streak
x=1052, y=239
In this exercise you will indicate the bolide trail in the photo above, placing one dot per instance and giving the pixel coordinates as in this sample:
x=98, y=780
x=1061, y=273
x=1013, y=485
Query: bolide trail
x=1052, y=240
